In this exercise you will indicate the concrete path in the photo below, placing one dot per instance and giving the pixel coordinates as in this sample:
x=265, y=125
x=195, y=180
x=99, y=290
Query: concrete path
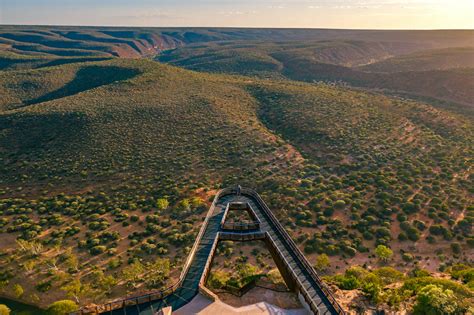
x=203, y=306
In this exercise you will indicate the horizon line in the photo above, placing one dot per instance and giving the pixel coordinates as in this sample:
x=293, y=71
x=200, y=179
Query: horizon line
x=244, y=27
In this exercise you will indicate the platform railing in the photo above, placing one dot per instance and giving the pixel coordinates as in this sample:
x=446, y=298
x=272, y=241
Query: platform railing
x=306, y=265
x=241, y=237
x=240, y=226
x=207, y=267
x=245, y=225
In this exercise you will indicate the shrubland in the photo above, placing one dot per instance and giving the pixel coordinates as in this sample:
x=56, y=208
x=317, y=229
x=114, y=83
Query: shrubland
x=417, y=291
x=103, y=178
x=108, y=168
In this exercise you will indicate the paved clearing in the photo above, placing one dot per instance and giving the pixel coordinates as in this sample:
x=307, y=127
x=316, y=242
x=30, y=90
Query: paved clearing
x=203, y=306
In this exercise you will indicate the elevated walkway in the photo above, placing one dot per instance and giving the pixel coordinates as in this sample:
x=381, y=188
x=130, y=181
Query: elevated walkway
x=295, y=269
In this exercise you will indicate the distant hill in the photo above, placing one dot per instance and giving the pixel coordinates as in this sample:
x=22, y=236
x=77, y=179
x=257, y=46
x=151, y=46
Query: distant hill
x=446, y=75
x=456, y=85
x=254, y=57
x=438, y=59
x=15, y=61
x=125, y=102
x=135, y=42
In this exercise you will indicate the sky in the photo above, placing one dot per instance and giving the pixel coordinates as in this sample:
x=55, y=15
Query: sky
x=355, y=14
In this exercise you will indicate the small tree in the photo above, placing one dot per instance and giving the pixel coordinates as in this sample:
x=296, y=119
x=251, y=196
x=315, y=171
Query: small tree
x=246, y=270
x=30, y=248
x=184, y=205
x=322, y=262
x=4, y=310
x=407, y=257
x=52, y=264
x=383, y=253
x=108, y=283
x=218, y=279
x=196, y=202
x=18, y=290
x=339, y=204
x=372, y=291
x=158, y=272
x=162, y=204
x=71, y=260
x=62, y=307
x=132, y=273
x=77, y=290
x=103, y=282
x=456, y=248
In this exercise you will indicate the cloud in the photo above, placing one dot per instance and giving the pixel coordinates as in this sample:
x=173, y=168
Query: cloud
x=276, y=7
x=237, y=12
x=164, y=16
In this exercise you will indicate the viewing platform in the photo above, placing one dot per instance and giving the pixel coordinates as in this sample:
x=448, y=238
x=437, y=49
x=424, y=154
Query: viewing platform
x=297, y=272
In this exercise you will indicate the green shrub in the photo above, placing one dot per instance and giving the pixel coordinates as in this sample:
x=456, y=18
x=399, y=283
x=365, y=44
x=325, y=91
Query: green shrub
x=407, y=257
x=372, y=291
x=388, y=275
x=18, y=290
x=462, y=272
x=383, y=253
x=456, y=248
x=416, y=284
x=346, y=282
x=44, y=286
x=96, y=250
x=63, y=307
x=4, y=310
x=432, y=299
x=218, y=279
x=339, y=204
x=322, y=262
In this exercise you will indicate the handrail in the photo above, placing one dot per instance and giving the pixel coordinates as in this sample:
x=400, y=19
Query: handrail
x=240, y=237
x=224, y=216
x=305, y=292
x=162, y=293
x=207, y=267
x=243, y=225
x=301, y=257
x=201, y=232
x=240, y=226
x=296, y=250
